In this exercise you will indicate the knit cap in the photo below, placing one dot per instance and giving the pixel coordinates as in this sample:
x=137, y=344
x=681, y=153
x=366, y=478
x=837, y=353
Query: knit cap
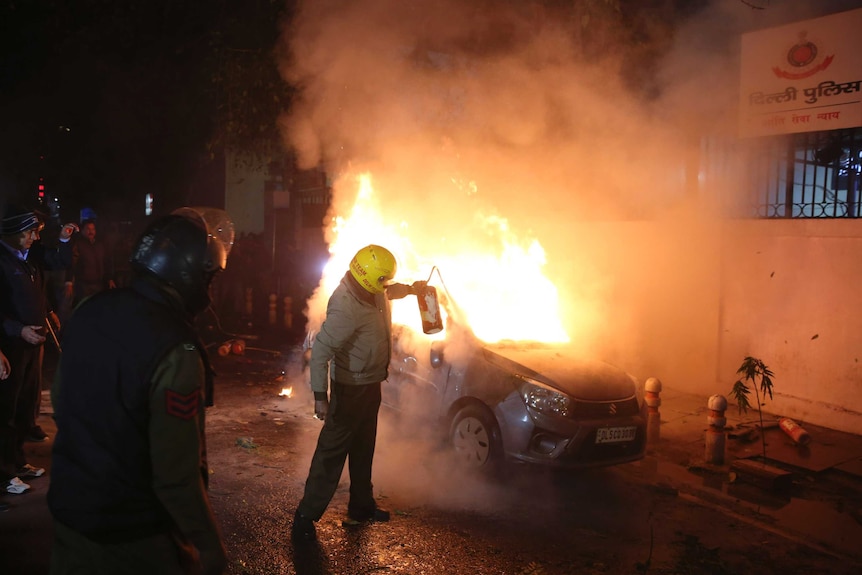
x=17, y=219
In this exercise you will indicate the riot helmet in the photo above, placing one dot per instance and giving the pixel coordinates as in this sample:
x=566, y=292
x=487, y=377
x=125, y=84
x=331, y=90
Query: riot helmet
x=185, y=250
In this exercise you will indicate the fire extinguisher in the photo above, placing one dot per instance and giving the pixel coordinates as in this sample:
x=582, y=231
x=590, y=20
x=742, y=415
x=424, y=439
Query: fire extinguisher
x=429, y=310
x=794, y=430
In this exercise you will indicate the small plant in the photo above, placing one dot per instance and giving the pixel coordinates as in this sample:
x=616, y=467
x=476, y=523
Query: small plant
x=751, y=370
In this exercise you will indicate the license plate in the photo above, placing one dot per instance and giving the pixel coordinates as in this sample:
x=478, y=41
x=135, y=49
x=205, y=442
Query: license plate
x=615, y=434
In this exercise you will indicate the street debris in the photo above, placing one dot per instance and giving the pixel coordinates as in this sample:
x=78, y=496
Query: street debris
x=794, y=430
x=246, y=442
x=746, y=435
x=760, y=474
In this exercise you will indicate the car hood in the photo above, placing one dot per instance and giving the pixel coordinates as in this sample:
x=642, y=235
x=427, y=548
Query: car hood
x=579, y=377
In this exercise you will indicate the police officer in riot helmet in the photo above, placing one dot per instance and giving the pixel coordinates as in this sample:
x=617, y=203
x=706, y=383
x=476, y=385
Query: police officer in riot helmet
x=173, y=251
x=129, y=475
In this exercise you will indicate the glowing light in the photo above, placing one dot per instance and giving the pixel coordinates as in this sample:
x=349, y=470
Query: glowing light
x=286, y=392
x=495, y=276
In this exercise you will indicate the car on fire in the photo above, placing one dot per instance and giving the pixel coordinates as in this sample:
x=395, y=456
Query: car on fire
x=515, y=401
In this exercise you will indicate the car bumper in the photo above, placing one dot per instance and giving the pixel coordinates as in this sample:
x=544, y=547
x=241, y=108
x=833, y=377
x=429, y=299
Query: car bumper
x=539, y=439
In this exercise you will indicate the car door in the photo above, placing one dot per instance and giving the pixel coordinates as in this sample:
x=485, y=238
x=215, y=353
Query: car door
x=415, y=385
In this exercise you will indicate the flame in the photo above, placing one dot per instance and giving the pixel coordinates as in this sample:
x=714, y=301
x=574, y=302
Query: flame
x=496, y=278
x=286, y=392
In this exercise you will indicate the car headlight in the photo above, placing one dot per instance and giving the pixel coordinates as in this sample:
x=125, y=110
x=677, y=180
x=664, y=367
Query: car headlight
x=544, y=399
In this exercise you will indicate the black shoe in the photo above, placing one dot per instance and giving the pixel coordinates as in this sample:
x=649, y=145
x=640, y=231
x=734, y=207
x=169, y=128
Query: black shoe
x=376, y=515
x=303, y=527
x=36, y=435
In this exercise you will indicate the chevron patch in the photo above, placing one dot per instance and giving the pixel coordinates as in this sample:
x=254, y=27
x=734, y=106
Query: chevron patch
x=184, y=406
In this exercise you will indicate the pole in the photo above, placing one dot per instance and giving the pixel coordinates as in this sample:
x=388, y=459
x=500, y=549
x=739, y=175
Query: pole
x=53, y=334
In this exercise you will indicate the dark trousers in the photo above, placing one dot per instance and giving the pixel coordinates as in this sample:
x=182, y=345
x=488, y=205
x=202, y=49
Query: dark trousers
x=74, y=554
x=20, y=397
x=349, y=433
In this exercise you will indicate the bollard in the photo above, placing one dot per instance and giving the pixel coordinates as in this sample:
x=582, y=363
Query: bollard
x=237, y=347
x=224, y=349
x=715, y=435
x=652, y=388
x=272, y=299
x=248, y=302
x=288, y=312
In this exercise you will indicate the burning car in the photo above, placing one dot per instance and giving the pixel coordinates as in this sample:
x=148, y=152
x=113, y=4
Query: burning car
x=515, y=401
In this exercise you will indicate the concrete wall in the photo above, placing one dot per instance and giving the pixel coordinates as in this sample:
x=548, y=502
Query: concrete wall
x=689, y=304
x=789, y=298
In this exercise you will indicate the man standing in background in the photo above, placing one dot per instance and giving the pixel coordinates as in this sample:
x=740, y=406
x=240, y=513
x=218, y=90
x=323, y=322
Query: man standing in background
x=23, y=324
x=91, y=267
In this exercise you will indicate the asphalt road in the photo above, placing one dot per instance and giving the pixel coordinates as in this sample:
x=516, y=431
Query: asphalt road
x=524, y=522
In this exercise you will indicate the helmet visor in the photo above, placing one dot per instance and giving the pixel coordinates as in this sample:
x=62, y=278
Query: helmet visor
x=220, y=230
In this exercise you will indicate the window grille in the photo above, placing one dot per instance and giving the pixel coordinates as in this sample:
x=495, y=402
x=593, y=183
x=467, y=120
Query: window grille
x=808, y=175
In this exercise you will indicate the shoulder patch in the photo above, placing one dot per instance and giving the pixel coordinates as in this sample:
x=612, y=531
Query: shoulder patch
x=184, y=406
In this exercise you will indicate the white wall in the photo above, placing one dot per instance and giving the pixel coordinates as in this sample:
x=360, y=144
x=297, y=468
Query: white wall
x=791, y=297
x=703, y=298
x=244, y=194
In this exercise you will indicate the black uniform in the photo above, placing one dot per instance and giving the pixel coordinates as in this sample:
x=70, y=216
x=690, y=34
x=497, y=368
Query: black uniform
x=129, y=460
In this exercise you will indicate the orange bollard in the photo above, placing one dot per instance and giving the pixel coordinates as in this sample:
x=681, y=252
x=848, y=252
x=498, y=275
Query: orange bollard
x=715, y=436
x=249, y=302
x=652, y=388
x=238, y=347
x=288, y=312
x=272, y=299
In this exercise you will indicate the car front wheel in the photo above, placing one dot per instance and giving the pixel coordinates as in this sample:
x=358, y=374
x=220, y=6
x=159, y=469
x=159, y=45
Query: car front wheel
x=475, y=438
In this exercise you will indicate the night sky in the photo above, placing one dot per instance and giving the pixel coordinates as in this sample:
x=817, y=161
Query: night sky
x=107, y=101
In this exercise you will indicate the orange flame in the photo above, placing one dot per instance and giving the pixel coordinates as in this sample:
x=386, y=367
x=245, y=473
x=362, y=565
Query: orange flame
x=497, y=280
x=286, y=392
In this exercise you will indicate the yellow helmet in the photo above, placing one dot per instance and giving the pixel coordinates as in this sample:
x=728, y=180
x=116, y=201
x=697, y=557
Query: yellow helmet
x=373, y=267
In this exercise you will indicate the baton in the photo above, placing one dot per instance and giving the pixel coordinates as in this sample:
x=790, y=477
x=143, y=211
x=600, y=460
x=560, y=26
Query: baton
x=53, y=334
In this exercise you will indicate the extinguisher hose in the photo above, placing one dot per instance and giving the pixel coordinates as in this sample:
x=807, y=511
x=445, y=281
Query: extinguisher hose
x=449, y=297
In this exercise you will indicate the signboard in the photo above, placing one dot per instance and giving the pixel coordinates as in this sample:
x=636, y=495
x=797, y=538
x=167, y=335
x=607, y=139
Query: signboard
x=802, y=77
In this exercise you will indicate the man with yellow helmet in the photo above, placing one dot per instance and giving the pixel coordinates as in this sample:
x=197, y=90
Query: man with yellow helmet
x=355, y=340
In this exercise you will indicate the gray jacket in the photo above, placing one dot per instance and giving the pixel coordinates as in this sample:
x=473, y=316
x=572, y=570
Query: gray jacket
x=355, y=337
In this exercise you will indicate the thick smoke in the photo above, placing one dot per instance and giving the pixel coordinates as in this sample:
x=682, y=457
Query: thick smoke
x=442, y=99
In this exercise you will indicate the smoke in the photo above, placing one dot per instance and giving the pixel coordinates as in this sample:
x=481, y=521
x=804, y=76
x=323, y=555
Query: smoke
x=442, y=100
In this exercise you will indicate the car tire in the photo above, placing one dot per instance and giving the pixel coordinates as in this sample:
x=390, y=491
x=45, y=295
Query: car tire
x=474, y=437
